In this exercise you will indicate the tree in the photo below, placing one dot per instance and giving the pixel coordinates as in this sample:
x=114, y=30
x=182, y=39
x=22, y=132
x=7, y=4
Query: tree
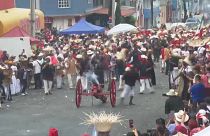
x=118, y=17
x=185, y=10
x=129, y=20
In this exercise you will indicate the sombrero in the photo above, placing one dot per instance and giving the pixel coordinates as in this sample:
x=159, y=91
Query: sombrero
x=187, y=61
x=9, y=62
x=179, y=116
x=171, y=93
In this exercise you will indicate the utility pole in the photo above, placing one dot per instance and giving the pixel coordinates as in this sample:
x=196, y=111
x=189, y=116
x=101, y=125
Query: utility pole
x=33, y=18
x=151, y=2
x=113, y=12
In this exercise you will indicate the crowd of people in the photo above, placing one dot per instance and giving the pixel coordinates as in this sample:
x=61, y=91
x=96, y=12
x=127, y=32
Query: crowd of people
x=128, y=57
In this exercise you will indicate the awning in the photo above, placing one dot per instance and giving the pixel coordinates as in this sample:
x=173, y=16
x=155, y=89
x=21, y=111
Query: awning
x=83, y=27
x=18, y=32
x=125, y=11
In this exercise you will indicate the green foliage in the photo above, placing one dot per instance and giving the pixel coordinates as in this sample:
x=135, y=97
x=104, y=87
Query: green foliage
x=118, y=17
x=129, y=20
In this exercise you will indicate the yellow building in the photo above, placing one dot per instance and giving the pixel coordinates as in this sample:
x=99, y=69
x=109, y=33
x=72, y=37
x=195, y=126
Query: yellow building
x=13, y=17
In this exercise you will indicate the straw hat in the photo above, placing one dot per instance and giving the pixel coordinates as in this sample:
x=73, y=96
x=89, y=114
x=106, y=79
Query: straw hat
x=89, y=52
x=179, y=116
x=2, y=68
x=187, y=61
x=127, y=69
x=143, y=49
x=40, y=54
x=103, y=122
x=171, y=93
x=103, y=127
x=48, y=48
x=119, y=56
x=79, y=56
x=66, y=47
x=9, y=62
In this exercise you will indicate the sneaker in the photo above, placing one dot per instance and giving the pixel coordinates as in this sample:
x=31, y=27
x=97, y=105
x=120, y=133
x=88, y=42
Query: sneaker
x=23, y=94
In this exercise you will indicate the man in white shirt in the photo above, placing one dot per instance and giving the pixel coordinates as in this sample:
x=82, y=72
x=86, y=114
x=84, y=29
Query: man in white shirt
x=37, y=63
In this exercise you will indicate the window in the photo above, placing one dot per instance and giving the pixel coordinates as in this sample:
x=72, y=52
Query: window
x=64, y=3
x=90, y=1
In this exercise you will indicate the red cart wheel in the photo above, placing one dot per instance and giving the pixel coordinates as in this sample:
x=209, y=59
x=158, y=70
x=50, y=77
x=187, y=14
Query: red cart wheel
x=78, y=93
x=112, y=92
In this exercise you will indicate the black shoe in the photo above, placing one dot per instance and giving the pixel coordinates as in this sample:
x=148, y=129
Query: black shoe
x=46, y=93
x=141, y=93
x=131, y=104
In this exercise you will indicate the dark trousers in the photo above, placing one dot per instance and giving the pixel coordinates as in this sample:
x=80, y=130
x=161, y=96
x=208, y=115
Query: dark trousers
x=156, y=55
x=9, y=95
x=152, y=76
x=167, y=67
x=23, y=85
x=2, y=93
x=38, y=81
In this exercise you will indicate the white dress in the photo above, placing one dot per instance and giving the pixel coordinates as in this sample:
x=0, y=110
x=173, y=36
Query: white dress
x=15, y=86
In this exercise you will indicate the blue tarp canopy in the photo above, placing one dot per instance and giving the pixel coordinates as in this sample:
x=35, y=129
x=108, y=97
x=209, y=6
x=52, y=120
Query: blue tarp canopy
x=83, y=27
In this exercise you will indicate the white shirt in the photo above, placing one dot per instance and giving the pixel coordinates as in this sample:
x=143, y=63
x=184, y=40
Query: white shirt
x=37, y=66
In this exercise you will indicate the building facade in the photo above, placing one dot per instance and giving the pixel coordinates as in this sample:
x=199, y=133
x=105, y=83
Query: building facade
x=64, y=13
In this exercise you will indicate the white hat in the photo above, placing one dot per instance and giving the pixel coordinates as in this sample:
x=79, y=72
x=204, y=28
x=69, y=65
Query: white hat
x=187, y=61
x=144, y=57
x=139, y=43
x=79, y=56
x=127, y=69
x=179, y=116
x=1, y=67
x=66, y=47
x=143, y=49
x=89, y=52
x=40, y=54
x=171, y=93
x=48, y=57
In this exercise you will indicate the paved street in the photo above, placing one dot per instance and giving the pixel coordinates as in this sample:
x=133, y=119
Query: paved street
x=34, y=114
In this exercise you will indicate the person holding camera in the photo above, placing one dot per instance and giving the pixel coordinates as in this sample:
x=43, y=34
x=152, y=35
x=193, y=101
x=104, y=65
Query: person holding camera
x=134, y=131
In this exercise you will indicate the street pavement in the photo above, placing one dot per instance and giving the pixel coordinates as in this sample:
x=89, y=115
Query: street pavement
x=34, y=114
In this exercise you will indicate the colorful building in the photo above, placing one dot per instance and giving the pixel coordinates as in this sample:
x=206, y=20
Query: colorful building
x=64, y=13
x=12, y=17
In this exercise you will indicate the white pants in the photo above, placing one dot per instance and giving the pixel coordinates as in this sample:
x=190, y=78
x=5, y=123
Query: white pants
x=59, y=81
x=145, y=84
x=88, y=77
x=106, y=75
x=47, y=86
x=173, y=75
x=127, y=91
x=121, y=82
x=70, y=80
x=163, y=64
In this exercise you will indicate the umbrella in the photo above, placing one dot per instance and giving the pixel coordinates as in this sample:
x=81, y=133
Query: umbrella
x=121, y=28
x=177, y=26
x=204, y=132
